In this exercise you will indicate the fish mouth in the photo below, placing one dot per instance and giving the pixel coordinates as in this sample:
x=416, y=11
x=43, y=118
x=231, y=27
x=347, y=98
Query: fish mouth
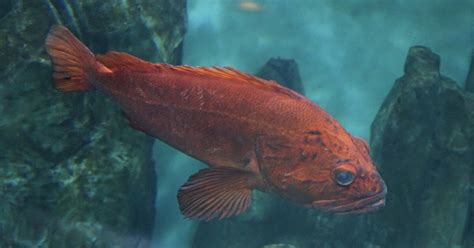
x=351, y=206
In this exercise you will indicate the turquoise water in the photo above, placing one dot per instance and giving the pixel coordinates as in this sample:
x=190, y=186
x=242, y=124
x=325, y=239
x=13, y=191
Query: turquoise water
x=73, y=174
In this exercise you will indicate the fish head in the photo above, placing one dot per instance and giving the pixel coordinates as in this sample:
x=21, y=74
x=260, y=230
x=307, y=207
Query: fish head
x=330, y=174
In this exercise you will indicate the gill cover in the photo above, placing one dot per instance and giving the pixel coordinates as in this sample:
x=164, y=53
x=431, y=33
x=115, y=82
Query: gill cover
x=289, y=167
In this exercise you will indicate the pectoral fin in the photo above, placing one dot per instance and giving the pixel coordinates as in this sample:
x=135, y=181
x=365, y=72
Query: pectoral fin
x=218, y=192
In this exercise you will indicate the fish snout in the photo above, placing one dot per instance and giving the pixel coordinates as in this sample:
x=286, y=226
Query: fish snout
x=382, y=186
x=372, y=184
x=373, y=198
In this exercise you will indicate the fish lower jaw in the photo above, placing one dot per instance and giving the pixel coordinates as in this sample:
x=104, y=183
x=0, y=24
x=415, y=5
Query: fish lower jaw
x=369, y=208
x=358, y=206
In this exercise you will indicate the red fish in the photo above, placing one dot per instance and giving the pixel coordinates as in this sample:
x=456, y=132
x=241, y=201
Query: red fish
x=252, y=133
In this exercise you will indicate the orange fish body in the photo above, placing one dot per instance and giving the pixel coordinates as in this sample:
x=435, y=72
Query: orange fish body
x=253, y=133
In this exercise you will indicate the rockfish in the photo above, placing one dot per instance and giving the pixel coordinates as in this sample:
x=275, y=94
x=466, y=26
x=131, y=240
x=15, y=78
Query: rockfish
x=252, y=133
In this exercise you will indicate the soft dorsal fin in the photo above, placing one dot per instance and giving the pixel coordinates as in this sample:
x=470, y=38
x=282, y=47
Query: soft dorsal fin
x=235, y=76
x=116, y=60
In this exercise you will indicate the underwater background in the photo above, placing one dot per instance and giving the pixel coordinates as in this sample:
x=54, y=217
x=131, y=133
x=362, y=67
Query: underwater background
x=397, y=73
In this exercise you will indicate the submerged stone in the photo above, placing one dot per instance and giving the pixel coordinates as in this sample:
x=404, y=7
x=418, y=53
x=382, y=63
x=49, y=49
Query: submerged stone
x=283, y=71
x=73, y=173
x=423, y=142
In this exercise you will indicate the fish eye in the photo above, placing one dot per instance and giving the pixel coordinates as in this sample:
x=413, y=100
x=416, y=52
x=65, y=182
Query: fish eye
x=344, y=174
x=344, y=177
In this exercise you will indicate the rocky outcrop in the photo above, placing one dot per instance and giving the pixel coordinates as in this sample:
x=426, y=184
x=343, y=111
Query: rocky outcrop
x=283, y=71
x=423, y=142
x=72, y=173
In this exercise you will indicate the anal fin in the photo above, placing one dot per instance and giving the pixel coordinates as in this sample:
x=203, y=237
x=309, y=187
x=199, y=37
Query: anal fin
x=217, y=192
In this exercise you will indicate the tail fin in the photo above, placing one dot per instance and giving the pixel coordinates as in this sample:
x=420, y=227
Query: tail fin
x=72, y=60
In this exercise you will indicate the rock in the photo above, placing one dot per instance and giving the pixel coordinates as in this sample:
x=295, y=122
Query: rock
x=469, y=85
x=283, y=71
x=423, y=142
x=73, y=173
x=157, y=27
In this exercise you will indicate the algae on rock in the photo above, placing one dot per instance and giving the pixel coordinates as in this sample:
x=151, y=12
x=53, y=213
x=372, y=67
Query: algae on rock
x=73, y=173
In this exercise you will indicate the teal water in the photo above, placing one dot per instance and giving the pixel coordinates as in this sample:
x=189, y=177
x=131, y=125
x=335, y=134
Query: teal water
x=73, y=174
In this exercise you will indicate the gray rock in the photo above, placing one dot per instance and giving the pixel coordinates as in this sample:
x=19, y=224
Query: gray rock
x=283, y=71
x=423, y=141
x=73, y=174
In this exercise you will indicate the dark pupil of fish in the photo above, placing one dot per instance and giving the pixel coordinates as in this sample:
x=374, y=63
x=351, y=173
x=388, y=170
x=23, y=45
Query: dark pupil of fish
x=344, y=177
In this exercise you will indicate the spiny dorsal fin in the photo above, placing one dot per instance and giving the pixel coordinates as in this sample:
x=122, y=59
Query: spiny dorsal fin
x=218, y=192
x=234, y=75
x=116, y=60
